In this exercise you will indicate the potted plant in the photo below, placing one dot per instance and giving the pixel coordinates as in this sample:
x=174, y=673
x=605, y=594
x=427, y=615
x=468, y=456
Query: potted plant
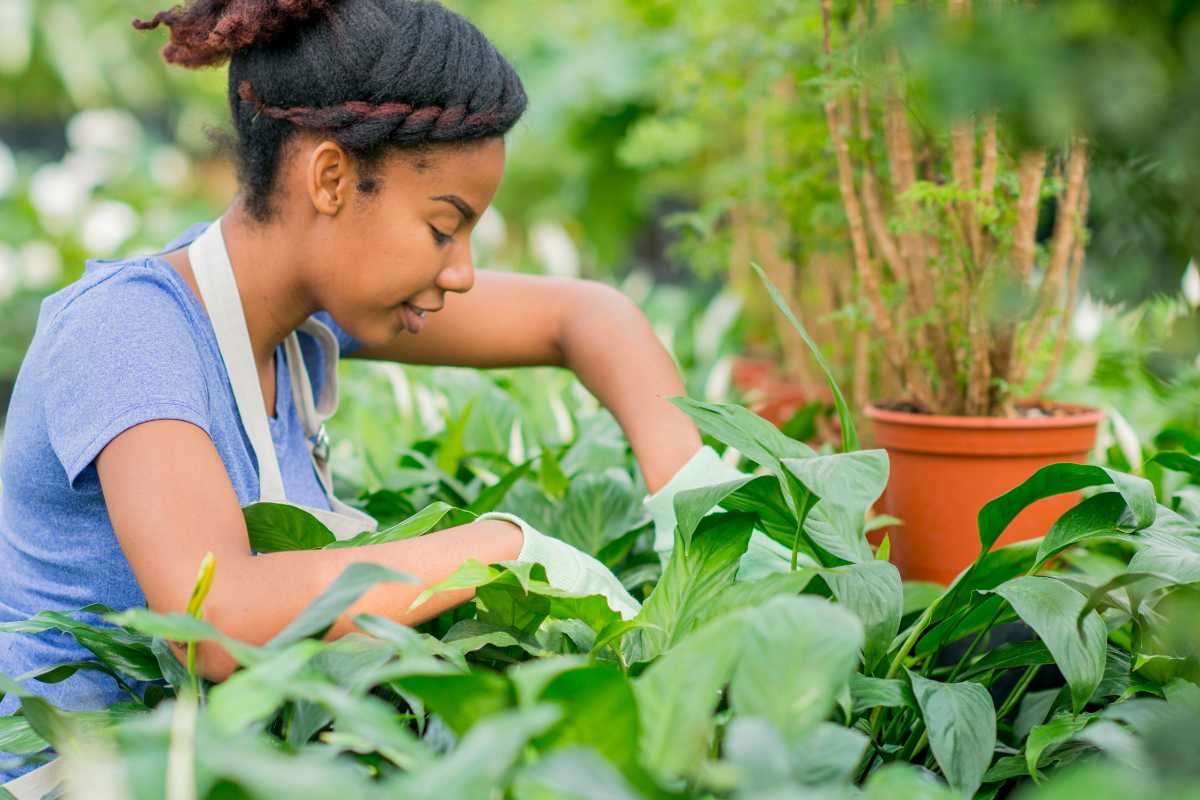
x=969, y=311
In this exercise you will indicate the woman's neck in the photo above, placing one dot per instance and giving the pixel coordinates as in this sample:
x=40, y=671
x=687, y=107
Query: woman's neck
x=268, y=265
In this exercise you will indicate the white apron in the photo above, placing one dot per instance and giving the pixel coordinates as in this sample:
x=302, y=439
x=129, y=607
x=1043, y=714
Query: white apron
x=214, y=276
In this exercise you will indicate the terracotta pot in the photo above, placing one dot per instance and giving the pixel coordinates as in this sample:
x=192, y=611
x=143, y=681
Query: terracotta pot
x=945, y=469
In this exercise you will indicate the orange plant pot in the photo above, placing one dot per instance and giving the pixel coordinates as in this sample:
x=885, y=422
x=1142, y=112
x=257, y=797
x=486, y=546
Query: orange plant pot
x=945, y=469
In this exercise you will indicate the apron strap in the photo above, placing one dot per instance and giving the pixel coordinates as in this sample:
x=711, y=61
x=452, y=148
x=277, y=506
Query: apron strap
x=218, y=287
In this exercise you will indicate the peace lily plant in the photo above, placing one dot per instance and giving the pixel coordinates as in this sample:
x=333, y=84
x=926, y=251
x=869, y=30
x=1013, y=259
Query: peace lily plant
x=802, y=666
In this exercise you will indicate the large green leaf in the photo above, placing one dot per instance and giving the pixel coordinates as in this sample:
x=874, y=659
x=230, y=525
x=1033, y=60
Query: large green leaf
x=574, y=773
x=961, y=722
x=275, y=527
x=125, y=652
x=847, y=484
x=418, y=524
x=177, y=627
x=796, y=656
x=1060, y=479
x=694, y=577
x=461, y=700
x=874, y=592
x=691, y=505
x=1051, y=607
x=902, y=780
x=598, y=509
x=1045, y=737
x=254, y=693
x=1099, y=515
x=322, y=612
x=739, y=427
x=599, y=711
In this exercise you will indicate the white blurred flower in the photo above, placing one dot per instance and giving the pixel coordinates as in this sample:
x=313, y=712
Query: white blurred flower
x=1126, y=438
x=104, y=129
x=516, y=443
x=1089, y=318
x=8, y=170
x=10, y=271
x=16, y=35
x=91, y=167
x=41, y=265
x=716, y=385
x=490, y=231
x=170, y=167
x=107, y=224
x=552, y=246
x=58, y=195
x=1191, y=284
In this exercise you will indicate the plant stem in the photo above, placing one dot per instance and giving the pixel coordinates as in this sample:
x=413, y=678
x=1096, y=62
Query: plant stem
x=905, y=649
x=974, y=644
x=804, y=508
x=1017, y=691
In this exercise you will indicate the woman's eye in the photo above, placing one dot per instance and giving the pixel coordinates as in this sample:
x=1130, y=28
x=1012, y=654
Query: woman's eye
x=439, y=237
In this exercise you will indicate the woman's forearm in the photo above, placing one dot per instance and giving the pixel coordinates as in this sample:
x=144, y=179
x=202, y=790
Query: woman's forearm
x=609, y=344
x=254, y=598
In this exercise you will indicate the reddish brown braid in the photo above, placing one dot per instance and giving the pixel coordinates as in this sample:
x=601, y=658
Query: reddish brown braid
x=347, y=113
x=208, y=32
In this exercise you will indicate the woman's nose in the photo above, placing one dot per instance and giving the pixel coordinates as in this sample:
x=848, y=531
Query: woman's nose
x=459, y=276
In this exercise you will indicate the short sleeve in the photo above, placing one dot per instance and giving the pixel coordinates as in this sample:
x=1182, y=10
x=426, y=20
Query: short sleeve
x=120, y=353
x=347, y=344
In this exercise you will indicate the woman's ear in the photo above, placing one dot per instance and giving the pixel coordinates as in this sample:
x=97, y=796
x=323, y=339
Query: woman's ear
x=328, y=177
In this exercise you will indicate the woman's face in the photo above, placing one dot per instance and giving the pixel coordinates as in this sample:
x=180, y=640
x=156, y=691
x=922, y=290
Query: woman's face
x=408, y=244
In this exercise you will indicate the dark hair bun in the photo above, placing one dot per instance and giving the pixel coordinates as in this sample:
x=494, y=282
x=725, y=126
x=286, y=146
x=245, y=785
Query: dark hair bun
x=208, y=32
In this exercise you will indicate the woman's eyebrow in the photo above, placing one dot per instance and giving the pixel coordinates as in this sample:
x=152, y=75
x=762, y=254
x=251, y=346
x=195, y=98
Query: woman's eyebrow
x=463, y=207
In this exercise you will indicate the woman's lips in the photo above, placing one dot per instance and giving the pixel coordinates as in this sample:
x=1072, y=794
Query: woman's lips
x=413, y=320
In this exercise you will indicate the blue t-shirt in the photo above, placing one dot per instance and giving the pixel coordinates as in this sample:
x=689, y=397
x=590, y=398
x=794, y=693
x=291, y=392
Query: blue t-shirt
x=127, y=342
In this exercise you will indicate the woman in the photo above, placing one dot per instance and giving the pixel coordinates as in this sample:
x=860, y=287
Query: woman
x=163, y=393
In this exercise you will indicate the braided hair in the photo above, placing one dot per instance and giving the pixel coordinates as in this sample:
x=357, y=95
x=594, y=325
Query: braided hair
x=376, y=76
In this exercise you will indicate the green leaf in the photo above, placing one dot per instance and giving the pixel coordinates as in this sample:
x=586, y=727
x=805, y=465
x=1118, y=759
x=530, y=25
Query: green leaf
x=961, y=722
x=493, y=495
x=694, y=577
x=322, y=612
x=796, y=655
x=255, y=693
x=1099, y=515
x=418, y=524
x=751, y=594
x=125, y=652
x=550, y=475
x=692, y=505
x=872, y=590
x=572, y=774
x=480, y=762
x=867, y=693
x=461, y=700
x=849, y=433
x=450, y=448
x=1177, y=462
x=1044, y=737
x=677, y=694
x=598, y=509
x=1051, y=607
x=275, y=527
x=901, y=780
x=847, y=484
x=1060, y=479
x=179, y=627
x=599, y=711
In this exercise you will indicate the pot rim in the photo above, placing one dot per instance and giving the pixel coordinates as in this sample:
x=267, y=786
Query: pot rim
x=1085, y=416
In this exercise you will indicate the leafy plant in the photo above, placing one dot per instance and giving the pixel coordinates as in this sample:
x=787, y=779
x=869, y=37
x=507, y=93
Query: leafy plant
x=791, y=662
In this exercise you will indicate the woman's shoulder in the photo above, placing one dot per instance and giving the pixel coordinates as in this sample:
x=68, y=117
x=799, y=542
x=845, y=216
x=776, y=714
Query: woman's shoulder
x=134, y=290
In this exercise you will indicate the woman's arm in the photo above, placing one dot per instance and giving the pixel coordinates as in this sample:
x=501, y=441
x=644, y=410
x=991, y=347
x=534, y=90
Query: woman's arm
x=171, y=501
x=514, y=320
